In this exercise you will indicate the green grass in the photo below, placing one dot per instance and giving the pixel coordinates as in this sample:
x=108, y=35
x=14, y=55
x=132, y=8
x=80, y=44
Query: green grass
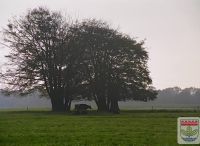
x=130, y=128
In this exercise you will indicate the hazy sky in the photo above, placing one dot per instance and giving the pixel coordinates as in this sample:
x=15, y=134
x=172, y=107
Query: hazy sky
x=171, y=29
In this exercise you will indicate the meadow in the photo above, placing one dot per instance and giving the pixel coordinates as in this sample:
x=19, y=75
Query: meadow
x=129, y=128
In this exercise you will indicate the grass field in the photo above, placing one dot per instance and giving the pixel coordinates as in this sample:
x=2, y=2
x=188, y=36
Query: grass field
x=130, y=128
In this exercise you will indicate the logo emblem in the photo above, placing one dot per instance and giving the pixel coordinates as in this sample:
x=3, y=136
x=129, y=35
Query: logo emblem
x=188, y=130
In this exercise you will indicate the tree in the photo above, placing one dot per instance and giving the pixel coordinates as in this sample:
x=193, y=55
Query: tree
x=42, y=56
x=116, y=66
x=75, y=60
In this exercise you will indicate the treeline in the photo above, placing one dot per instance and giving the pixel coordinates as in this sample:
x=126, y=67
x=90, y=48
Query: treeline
x=173, y=97
x=176, y=95
x=69, y=60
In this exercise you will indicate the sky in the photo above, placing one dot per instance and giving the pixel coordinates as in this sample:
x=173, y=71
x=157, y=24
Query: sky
x=171, y=29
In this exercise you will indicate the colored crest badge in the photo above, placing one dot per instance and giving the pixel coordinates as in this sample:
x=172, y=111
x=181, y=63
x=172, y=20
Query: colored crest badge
x=188, y=130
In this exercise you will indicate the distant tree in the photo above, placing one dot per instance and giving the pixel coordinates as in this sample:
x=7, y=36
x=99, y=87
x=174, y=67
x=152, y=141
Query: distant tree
x=42, y=56
x=116, y=66
x=176, y=95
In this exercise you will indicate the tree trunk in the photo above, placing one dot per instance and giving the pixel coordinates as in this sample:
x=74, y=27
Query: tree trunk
x=114, y=107
x=57, y=104
x=68, y=104
x=102, y=108
x=101, y=105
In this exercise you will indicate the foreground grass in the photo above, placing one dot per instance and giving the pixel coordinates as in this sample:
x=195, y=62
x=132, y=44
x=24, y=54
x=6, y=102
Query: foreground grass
x=130, y=128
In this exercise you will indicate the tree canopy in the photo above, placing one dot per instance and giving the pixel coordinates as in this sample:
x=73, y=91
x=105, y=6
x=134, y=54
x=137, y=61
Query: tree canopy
x=72, y=60
x=116, y=65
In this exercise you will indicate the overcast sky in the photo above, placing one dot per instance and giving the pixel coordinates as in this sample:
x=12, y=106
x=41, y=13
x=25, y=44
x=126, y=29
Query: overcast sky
x=171, y=29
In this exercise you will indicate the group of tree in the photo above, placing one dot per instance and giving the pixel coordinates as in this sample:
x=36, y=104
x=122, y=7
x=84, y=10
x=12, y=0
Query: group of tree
x=176, y=95
x=70, y=60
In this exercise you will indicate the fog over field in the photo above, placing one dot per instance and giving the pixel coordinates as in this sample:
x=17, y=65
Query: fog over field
x=167, y=98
